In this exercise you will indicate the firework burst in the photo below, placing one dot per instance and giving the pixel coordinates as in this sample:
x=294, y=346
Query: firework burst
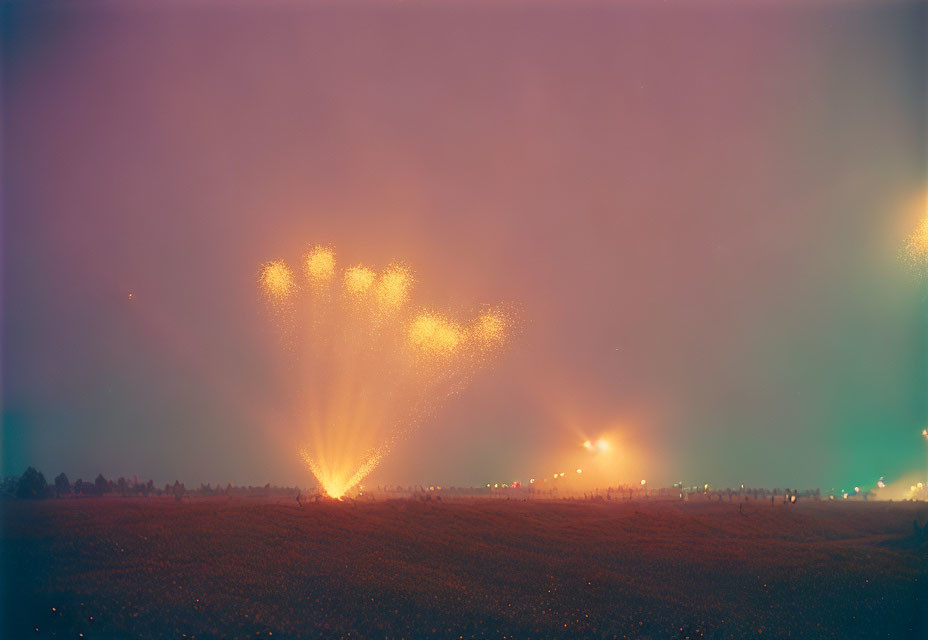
x=370, y=366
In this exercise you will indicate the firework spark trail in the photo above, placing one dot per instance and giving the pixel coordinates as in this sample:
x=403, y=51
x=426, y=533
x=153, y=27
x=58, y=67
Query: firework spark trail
x=370, y=366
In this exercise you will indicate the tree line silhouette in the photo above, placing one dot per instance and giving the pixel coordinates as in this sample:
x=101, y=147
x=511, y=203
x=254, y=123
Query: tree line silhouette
x=31, y=485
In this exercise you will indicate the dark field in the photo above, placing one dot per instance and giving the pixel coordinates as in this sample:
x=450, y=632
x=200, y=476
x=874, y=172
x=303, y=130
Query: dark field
x=246, y=568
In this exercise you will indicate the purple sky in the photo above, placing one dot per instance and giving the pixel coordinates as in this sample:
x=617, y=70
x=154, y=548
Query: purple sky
x=697, y=208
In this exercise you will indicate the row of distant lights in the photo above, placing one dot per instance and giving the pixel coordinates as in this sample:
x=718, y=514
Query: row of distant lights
x=601, y=446
x=881, y=484
x=517, y=484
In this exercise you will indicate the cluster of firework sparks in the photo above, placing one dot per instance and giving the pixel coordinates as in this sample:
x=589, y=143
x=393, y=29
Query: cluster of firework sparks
x=371, y=365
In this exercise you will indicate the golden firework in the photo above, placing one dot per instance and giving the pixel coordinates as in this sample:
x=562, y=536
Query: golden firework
x=276, y=280
x=358, y=280
x=319, y=265
x=489, y=329
x=393, y=287
x=336, y=484
x=435, y=334
x=370, y=368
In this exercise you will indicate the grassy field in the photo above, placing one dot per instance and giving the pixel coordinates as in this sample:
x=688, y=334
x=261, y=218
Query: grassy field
x=249, y=567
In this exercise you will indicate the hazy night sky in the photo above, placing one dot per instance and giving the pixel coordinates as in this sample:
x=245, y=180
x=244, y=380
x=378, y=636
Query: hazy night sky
x=698, y=208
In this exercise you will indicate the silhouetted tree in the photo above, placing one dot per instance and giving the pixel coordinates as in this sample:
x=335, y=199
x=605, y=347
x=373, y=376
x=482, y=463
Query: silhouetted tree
x=100, y=485
x=62, y=486
x=121, y=486
x=32, y=485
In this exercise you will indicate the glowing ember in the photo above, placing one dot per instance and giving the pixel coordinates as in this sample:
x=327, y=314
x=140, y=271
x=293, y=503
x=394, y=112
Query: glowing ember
x=369, y=369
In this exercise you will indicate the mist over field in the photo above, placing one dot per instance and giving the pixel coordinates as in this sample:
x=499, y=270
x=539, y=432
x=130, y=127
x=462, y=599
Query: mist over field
x=698, y=209
x=463, y=319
